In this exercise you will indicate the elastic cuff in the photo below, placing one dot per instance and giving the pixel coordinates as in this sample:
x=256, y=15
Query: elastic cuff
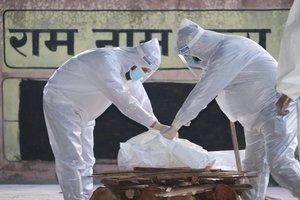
x=177, y=125
x=153, y=125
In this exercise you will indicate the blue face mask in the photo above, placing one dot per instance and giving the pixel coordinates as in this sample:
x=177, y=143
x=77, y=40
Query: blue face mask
x=136, y=73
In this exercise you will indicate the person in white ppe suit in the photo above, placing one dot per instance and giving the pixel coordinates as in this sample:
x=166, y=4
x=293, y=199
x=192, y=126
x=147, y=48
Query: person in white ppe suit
x=288, y=77
x=242, y=77
x=80, y=91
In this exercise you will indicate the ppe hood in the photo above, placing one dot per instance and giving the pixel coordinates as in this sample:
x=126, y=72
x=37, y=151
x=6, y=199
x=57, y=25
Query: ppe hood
x=150, y=53
x=196, y=41
x=188, y=34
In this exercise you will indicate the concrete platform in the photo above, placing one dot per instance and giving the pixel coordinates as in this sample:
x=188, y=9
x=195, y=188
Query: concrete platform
x=53, y=192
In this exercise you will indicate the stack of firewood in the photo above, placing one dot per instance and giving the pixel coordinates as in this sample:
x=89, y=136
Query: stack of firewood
x=171, y=184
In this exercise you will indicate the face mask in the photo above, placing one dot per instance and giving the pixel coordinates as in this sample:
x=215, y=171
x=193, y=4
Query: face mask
x=136, y=73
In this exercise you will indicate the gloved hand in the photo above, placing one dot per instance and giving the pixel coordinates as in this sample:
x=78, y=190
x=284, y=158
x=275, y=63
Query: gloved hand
x=160, y=127
x=282, y=104
x=170, y=133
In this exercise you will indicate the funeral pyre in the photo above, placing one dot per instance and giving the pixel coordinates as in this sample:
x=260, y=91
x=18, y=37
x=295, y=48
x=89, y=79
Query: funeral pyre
x=171, y=184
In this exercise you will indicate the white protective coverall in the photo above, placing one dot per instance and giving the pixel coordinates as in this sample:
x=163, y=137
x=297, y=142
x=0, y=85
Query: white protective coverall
x=242, y=75
x=289, y=60
x=81, y=90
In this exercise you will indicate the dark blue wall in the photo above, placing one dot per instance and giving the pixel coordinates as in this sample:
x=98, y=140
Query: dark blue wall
x=211, y=129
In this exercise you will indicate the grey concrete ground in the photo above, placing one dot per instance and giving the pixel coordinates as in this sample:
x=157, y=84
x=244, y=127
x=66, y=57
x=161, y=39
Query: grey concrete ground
x=53, y=192
x=30, y=192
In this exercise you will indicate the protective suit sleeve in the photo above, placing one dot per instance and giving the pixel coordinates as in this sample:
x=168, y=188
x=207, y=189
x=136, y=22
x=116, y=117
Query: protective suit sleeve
x=218, y=76
x=115, y=89
x=137, y=90
x=288, y=79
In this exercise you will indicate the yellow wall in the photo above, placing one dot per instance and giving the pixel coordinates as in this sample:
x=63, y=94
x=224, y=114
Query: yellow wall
x=33, y=27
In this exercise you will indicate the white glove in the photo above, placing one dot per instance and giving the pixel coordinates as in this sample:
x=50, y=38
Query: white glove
x=170, y=133
x=160, y=127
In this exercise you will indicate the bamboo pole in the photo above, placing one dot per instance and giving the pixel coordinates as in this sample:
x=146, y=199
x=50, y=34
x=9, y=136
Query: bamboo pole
x=235, y=146
x=298, y=128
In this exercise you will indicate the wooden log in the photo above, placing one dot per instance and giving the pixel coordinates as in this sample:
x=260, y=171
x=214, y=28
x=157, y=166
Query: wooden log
x=150, y=195
x=130, y=193
x=103, y=193
x=182, y=198
x=222, y=192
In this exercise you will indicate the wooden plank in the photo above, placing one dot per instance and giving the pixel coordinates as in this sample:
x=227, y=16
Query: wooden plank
x=183, y=191
x=165, y=173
